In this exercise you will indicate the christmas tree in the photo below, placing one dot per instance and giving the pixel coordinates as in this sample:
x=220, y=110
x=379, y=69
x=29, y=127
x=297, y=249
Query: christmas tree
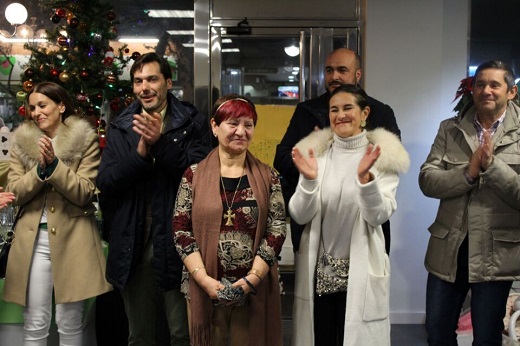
x=77, y=56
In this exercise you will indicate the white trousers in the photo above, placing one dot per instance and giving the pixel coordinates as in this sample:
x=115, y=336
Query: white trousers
x=38, y=310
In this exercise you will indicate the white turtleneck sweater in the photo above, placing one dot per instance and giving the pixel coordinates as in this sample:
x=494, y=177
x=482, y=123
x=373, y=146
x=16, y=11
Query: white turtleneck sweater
x=339, y=200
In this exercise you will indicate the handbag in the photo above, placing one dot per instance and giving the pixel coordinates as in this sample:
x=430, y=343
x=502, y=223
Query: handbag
x=7, y=223
x=331, y=273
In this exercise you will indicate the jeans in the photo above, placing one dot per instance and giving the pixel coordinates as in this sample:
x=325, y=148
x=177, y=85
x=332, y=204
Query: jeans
x=38, y=311
x=444, y=303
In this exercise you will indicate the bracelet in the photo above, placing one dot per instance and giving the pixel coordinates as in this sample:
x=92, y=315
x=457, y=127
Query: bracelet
x=253, y=288
x=256, y=272
x=196, y=270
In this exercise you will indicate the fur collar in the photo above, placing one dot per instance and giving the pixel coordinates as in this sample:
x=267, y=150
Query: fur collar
x=72, y=140
x=394, y=157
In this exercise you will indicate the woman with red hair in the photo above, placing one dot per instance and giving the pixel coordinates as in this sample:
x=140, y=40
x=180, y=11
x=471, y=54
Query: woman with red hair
x=229, y=227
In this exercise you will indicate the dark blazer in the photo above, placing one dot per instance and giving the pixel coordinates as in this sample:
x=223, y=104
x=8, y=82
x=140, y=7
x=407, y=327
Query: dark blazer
x=126, y=181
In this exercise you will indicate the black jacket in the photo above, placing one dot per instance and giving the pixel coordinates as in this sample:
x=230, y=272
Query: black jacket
x=308, y=115
x=126, y=180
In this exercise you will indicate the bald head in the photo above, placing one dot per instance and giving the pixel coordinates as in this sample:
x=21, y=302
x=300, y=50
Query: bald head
x=343, y=66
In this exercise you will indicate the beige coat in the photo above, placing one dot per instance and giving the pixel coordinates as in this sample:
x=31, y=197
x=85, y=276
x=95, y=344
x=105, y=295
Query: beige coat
x=78, y=262
x=488, y=212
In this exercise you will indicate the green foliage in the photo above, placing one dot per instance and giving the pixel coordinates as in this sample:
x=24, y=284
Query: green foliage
x=78, y=57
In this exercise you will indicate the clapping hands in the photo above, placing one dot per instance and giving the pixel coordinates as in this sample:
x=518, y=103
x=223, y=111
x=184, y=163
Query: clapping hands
x=368, y=160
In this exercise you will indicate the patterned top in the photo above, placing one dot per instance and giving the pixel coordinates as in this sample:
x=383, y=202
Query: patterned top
x=235, y=252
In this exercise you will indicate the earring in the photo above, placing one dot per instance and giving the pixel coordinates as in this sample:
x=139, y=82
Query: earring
x=215, y=134
x=363, y=123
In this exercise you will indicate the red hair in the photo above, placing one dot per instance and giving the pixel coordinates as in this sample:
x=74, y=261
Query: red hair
x=233, y=106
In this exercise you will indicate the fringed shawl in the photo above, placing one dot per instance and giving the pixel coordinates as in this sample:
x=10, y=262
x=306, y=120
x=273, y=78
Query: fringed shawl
x=265, y=323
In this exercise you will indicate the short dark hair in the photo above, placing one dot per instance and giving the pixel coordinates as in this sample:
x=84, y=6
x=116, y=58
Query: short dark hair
x=233, y=106
x=509, y=76
x=148, y=58
x=57, y=94
x=359, y=94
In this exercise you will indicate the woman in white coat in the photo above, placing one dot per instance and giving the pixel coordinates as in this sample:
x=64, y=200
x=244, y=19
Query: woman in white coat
x=347, y=186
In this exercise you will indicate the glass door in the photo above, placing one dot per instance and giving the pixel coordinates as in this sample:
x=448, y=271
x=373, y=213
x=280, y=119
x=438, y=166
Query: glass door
x=275, y=68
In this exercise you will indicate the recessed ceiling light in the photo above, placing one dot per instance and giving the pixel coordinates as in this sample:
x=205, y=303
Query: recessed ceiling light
x=138, y=40
x=169, y=14
x=181, y=32
x=230, y=50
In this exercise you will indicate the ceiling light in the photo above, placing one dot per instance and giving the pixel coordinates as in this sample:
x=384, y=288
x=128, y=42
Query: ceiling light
x=188, y=44
x=16, y=14
x=292, y=51
x=181, y=32
x=170, y=14
x=230, y=50
x=138, y=40
x=227, y=40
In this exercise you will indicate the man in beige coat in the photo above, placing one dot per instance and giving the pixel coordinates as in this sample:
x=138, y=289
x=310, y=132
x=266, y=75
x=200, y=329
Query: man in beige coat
x=473, y=168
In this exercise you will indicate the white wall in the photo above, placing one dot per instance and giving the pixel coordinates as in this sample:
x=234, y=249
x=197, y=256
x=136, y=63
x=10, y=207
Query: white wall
x=415, y=56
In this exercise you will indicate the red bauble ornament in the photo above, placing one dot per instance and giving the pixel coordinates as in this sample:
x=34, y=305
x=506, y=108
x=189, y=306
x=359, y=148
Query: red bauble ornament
x=114, y=105
x=73, y=22
x=127, y=50
x=83, y=74
x=55, y=73
x=136, y=55
x=60, y=12
x=111, y=15
x=62, y=41
x=108, y=61
x=21, y=111
x=28, y=85
x=90, y=110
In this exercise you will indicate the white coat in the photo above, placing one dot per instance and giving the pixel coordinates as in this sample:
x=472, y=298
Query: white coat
x=367, y=309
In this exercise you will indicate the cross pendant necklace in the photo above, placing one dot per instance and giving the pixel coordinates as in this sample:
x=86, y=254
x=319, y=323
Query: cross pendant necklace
x=229, y=215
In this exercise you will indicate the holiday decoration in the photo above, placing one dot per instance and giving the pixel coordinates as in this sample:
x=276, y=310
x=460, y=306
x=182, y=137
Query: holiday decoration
x=28, y=85
x=136, y=55
x=29, y=73
x=111, y=15
x=73, y=22
x=62, y=41
x=111, y=79
x=55, y=19
x=21, y=111
x=20, y=96
x=83, y=74
x=60, y=12
x=78, y=57
x=82, y=97
x=64, y=76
